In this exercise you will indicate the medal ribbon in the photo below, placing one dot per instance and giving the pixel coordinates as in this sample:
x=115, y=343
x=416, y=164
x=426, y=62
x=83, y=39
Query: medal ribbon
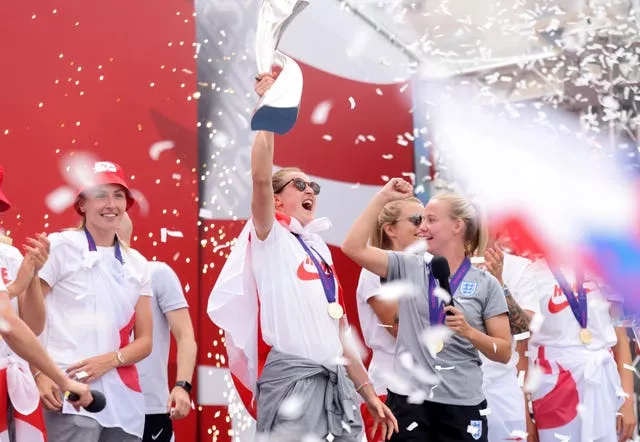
x=328, y=282
x=436, y=307
x=92, y=246
x=578, y=305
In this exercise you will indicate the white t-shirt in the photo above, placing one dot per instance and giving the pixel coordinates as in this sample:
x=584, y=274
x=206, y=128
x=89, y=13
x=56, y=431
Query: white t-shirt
x=168, y=296
x=376, y=337
x=293, y=305
x=71, y=305
x=10, y=261
x=560, y=328
x=519, y=278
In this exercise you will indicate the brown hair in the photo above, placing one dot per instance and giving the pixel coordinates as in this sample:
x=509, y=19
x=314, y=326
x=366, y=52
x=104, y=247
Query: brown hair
x=388, y=215
x=476, y=232
x=278, y=178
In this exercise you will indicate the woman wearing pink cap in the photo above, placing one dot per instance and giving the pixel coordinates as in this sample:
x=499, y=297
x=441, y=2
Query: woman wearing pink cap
x=99, y=324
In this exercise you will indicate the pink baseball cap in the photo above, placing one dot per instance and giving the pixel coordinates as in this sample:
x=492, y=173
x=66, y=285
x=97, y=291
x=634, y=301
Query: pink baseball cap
x=104, y=172
x=4, y=202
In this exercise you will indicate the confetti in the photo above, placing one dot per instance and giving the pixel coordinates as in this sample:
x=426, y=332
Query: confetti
x=562, y=437
x=495, y=347
x=536, y=322
x=522, y=336
x=60, y=199
x=412, y=426
x=477, y=260
x=485, y=412
x=291, y=408
x=519, y=434
x=158, y=147
x=320, y=114
x=327, y=137
x=534, y=379
x=352, y=102
x=442, y=295
x=394, y=290
x=164, y=233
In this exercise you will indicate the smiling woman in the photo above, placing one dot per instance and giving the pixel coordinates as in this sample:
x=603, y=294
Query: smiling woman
x=97, y=294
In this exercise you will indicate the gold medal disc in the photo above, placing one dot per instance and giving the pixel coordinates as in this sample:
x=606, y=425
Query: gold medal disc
x=439, y=346
x=585, y=336
x=335, y=310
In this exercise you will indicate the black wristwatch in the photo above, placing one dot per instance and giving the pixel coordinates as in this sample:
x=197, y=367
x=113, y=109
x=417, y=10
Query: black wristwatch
x=185, y=386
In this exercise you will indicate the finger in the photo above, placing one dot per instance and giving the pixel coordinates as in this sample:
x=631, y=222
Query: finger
x=374, y=430
x=54, y=399
x=389, y=431
x=619, y=424
x=46, y=401
x=395, y=422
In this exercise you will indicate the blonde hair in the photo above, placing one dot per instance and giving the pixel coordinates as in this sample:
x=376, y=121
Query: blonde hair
x=388, y=215
x=476, y=231
x=278, y=178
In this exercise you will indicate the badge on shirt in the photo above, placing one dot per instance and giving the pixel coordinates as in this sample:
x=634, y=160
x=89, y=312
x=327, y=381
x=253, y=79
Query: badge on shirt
x=468, y=288
x=475, y=429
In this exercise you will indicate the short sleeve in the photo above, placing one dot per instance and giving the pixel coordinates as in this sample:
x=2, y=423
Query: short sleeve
x=166, y=288
x=368, y=285
x=53, y=270
x=14, y=260
x=526, y=292
x=496, y=303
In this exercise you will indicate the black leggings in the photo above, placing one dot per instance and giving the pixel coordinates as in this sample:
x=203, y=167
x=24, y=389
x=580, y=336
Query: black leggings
x=435, y=422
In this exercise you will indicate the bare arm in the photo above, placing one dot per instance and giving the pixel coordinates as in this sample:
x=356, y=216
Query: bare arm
x=140, y=348
x=355, y=244
x=518, y=318
x=262, y=207
x=387, y=312
x=182, y=330
x=31, y=306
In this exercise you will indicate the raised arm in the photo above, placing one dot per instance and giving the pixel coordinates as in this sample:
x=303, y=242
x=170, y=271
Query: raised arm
x=262, y=207
x=356, y=245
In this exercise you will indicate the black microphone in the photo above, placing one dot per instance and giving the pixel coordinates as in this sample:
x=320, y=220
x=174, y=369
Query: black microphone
x=440, y=270
x=98, y=403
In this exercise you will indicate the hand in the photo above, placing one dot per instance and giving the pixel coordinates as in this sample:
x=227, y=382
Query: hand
x=396, y=189
x=494, y=262
x=532, y=430
x=383, y=418
x=264, y=82
x=37, y=252
x=179, y=403
x=456, y=321
x=81, y=390
x=94, y=367
x=49, y=393
x=626, y=421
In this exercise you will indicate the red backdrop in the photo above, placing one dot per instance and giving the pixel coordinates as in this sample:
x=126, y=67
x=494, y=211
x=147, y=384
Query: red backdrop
x=105, y=78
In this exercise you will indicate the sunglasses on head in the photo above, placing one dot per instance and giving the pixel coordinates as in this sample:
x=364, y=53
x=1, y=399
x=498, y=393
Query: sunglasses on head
x=301, y=185
x=416, y=219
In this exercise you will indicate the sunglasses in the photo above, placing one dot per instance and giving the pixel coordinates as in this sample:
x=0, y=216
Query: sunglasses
x=416, y=219
x=301, y=185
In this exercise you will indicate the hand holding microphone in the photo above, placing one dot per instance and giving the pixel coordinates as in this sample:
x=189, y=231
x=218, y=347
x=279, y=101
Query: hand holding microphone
x=79, y=395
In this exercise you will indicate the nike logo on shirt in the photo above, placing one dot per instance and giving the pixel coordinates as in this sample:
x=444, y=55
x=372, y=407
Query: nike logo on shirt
x=309, y=275
x=558, y=301
x=155, y=436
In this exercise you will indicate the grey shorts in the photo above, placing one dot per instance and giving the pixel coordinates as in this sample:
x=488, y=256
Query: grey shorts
x=73, y=427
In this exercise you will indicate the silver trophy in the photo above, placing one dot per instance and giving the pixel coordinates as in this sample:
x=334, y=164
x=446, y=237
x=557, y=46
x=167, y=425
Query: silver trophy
x=277, y=110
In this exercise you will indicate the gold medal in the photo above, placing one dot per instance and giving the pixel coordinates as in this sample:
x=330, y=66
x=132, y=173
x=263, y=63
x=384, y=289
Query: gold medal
x=585, y=336
x=439, y=346
x=335, y=310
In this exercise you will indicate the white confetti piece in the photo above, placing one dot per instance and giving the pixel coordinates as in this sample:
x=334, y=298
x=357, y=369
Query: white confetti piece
x=441, y=368
x=327, y=137
x=352, y=102
x=346, y=426
x=412, y=426
x=519, y=434
x=4, y=325
x=536, y=323
x=522, y=336
x=562, y=437
x=164, y=233
x=418, y=247
x=477, y=260
x=581, y=409
x=630, y=368
x=442, y=295
x=521, y=376
x=378, y=91
x=330, y=437
x=485, y=412
x=320, y=114
x=417, y=397
x=431, y=394
x=205, y=213
x=534, y=379
x=60, y=199
x=394, y=290
x=495, y=347
x=158, y=147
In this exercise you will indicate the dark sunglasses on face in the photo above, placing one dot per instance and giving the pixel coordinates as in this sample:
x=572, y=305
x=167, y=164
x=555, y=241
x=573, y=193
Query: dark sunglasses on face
x=301, y=185
x=416, y=220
